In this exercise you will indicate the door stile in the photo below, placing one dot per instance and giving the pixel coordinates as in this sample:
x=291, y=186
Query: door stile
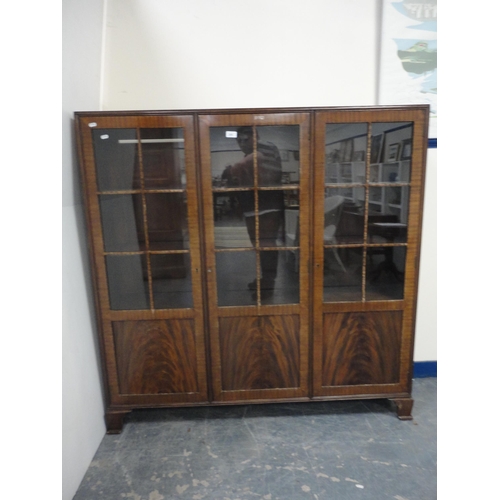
x=415, y=220
x=196, y=255
x=318, y=224
x=208, y=224
x=203, y=264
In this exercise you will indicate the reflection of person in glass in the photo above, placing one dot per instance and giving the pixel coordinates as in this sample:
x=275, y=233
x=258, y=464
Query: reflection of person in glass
x=270, y=203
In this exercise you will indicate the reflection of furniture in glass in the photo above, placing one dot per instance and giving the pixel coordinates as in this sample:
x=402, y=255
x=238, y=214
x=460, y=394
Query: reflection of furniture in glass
x=222, y=206
x=333, y=210
x=352, y=223
x=351, y=228
x=161, y=167
x=184, y=316
x=292, y=233
x=165, y=232
x=388, y=231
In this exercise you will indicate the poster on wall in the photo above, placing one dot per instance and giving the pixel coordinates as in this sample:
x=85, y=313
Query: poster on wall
x=408, y=60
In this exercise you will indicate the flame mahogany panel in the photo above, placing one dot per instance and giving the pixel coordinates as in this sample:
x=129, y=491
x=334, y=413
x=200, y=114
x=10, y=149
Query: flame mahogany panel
x=156, y=357
x=259, y=352
x=361, y=348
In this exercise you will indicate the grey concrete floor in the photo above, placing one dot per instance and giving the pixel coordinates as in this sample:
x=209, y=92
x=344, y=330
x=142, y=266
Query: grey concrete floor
x=322, y=451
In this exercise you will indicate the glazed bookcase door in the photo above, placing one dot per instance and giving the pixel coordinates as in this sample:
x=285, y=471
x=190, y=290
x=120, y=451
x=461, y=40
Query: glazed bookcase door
x=255, y=181
x=140, y=187
x=368, y=185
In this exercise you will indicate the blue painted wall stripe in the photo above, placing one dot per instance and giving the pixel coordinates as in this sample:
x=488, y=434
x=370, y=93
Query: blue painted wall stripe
x=423, y=369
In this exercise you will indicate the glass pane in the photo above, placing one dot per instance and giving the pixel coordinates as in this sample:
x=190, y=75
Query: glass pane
x=231, y=166
x=390, y=141
x=346, y=173
x=345, y=153
x=375, y=173
x=391, y=172
x=122, y=222
x=271, y=218
x=163, y=158
x=284, y=289
x=167, y=221
x=344, y=215
x=291, y=235
x=291, y=198
x=127, y=281
x=236, y=275
x=404, y=171
x=406, y=149
x=376, y=205
x=231, y=228
x=172, y=286
x=278, y=156
x=232, y=158
x=375, y=198
x=116, y=159
x=342, y=274
x=396, y=202
x=388, y=216
x=385, y=273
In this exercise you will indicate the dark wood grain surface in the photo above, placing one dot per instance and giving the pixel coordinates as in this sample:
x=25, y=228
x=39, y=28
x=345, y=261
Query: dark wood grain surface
x=361, y=348
x=259, y=352
x=156, y=357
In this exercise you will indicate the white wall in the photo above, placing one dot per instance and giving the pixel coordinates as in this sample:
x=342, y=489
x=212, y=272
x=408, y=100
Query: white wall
x=167, y=54
x=426, y=326
x=83, y=408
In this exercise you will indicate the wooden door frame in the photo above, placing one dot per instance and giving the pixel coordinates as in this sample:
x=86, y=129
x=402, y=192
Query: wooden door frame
x=259, y=118
x=419, y=116
x=85, y=122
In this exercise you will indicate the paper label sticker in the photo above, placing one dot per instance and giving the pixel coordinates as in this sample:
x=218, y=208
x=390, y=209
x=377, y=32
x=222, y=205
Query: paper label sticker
x=105, y=136
x=231, y=134
x=93, y=124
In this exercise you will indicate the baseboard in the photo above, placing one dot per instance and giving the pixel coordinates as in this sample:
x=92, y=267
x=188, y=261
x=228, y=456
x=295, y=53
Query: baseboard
x=423, y=369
